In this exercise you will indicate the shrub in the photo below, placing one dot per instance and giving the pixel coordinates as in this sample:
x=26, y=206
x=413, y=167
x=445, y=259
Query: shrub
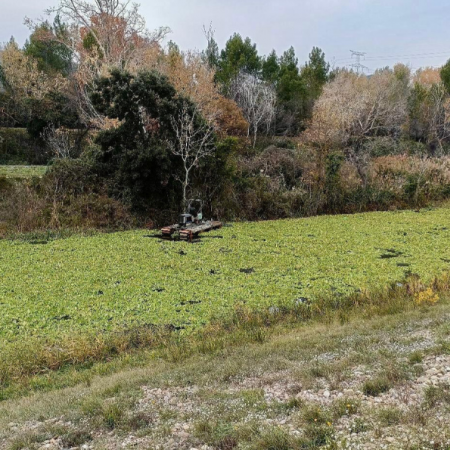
x=390, y=416
x=112, y=415
x=377, y=386
x=344, y=407
x=18, y=147
x=426, y=298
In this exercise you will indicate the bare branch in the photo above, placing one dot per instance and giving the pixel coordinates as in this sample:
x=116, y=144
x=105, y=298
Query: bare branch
x=194, y=141
x=257, y=101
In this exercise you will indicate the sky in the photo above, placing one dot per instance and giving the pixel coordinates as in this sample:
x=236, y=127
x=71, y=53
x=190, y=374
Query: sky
x=388, y=31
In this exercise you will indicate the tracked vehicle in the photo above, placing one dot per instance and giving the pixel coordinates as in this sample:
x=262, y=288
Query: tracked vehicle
x=191, y=223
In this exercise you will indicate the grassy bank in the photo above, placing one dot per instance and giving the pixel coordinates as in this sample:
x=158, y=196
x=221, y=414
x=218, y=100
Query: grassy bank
x=370, y=381
x=21, y=172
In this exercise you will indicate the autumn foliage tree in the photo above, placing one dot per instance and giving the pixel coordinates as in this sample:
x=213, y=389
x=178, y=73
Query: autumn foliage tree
x=23, y=83
x=354, y=109
x=429, y=109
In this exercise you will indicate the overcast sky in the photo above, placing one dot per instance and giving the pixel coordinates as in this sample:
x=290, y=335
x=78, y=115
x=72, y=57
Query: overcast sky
x=410, y=31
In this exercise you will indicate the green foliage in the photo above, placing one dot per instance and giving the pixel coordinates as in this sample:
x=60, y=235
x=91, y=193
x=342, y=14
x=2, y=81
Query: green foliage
x=376, y=386
x=135, y=158
x=45, y=45
x=315, y=414
x=416, y=357
x=127, y=280
x=315, y=73
x=435, y=395
x=345, y=407
x=445, y=75
x=211, y=54
x=316, y=436
x=18, y=147
x=291, y=93
x=274, y=438
x=90, y=43
x=389, y=416
x=238, y=55
x=290, y=86
x=271, y=68
x=112, y=415
x=54, y=109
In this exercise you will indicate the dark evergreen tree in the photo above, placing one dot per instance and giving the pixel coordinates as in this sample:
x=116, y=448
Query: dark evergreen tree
x=445, y=75
x=45, y=45
x=238, y=56
x=135, y=157
x=316, y=73
x=271, y=68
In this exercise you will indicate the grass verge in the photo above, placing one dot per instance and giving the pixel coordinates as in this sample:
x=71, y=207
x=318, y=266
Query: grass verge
x=33, y=365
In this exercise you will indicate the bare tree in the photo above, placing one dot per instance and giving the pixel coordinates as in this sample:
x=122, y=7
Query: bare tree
x=116, y=27
x=59, y=142
x=194, y=142
x=434, y=114
x=257, y=101
x=102, y=35
x=354, y=109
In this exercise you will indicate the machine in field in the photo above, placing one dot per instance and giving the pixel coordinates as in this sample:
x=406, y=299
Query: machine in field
x=191, y=224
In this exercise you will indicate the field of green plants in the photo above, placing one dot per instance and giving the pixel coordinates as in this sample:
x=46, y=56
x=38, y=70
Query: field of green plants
x=20, y=172
x=110, y=281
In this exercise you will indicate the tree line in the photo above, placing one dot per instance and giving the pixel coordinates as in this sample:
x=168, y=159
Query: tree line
x=257, y=136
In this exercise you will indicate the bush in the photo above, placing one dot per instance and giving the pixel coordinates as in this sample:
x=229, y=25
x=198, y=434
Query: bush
x=18, y=147
x=377, y=386
x=69, y=196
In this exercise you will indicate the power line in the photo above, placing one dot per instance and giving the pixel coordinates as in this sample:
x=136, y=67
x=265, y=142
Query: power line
x=412, y=55
x=358, y=66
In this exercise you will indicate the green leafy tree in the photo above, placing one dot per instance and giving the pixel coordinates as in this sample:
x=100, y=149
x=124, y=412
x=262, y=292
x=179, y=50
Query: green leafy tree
x=315, y=73
x=445, y=75
x=238, y=56
x=135, y=156
x=271, y=68
x=46, y=47
x=211, y=55
x=291, y=93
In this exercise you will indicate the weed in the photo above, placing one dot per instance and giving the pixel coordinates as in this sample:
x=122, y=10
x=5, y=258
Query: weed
x=112, y=415
x=221, y=435
x=344, y=407
x=358, y=426
x=437, y=394
x=274, y=439
x=75, y=438
x=315, y=414
x=253, y=397
x=140, y=420
x=376, y=386
x=416, y=357
x=390, y=416
x=316, y=436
